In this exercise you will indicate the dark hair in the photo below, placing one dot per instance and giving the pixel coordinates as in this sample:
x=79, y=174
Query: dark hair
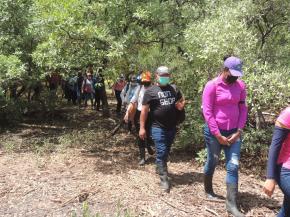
x=226, y=56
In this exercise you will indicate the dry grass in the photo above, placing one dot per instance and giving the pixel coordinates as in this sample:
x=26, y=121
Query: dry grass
x=72, y=168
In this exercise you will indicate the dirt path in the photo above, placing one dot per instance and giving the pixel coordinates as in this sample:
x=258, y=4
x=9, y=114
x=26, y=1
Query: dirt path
x=102, y=177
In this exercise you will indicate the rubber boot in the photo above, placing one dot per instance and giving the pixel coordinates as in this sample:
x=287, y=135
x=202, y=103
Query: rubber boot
x=164, y=182
x=149, y=148
x=142, y=156
x=207, y=181
x=231, y=202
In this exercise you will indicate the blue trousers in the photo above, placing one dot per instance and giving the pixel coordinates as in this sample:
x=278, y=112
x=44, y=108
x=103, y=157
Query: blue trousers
x=283, y=180
x=163, y=139
x=232, y=154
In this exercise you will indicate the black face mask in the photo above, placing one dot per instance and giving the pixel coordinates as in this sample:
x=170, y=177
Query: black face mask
x=231, y=79
x=146, y=84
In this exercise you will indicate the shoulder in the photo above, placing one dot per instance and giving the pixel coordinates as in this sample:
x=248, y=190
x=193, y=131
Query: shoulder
x=241, y=83
x=284, y=117
x=152, y=88
x=211, y=85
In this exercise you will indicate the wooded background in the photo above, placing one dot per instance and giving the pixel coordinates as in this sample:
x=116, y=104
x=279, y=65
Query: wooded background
x=38, y=37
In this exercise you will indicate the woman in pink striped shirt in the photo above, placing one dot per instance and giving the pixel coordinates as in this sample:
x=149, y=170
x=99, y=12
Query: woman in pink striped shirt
x=225, y=113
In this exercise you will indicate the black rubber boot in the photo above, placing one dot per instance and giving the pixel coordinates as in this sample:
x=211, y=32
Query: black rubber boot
x=148, y=146
x=142, y=156
x=207, y=181
x=164, y=182
x=150, y=150
x=231, y=202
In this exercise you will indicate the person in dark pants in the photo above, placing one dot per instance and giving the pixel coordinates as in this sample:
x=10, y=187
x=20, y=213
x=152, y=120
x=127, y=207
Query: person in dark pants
x=278, y=167
x=225, y=113
x=80, y=80
x=99, y=86
x=88, y=89
x=117, y=89
x=163, y=101
x=133, y=116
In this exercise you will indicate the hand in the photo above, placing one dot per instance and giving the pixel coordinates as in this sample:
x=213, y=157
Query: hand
x=222, y=140
x=126, y=119
x=269, y=187
x=179, y=105
x=142, y=133
x=234, y=137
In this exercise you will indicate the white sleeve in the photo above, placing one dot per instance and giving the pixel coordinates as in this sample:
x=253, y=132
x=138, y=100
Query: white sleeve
x=123, y=93
x=136, y=95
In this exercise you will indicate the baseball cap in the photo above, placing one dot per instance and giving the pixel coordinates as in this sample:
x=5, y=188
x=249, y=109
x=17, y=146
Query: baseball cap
x=234, y=64
x=162, y=70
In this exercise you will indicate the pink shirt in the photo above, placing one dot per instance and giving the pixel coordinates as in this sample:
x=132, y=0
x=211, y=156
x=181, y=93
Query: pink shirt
x=284, y=155
x=119, y=85
x=224, y=105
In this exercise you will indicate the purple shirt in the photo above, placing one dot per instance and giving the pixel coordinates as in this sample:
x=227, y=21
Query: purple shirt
x=224, y=105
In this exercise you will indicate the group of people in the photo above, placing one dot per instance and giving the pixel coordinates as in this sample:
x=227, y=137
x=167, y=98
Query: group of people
x=80, y=88
x=154, y=109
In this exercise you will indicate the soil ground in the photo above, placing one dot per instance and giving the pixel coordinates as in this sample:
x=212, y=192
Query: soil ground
x=71, y=166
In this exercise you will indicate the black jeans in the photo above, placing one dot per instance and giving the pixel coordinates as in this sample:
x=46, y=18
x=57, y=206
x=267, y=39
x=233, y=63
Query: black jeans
x=148, y=141
x=119, y=100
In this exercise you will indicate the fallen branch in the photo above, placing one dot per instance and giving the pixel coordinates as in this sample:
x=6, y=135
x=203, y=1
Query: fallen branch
x=28, y=192
x=215, y=200
x=211, y=211
x=174, y=206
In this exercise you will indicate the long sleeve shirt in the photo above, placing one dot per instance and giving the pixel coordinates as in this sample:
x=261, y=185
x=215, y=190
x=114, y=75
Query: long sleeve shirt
x=224, y=105
x=279, y=152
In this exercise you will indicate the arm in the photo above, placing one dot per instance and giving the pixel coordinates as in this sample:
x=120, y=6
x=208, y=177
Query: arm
x=243, y=111
x=143, y=118
x=130, y=113
x=180, y=101
x=180, y=104
x=123, y=94
x=243, y=108
x=83, y=86
x=279, y=135
x=208, y=101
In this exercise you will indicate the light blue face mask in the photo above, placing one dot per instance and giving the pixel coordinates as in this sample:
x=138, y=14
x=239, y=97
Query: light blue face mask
x=164, y=81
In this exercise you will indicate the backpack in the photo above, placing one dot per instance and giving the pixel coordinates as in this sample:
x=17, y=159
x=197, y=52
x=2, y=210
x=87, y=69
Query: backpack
x=87, y=87
x=180, y=114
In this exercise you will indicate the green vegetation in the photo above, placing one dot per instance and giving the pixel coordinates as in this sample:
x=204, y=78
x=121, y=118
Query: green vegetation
x=38, y=37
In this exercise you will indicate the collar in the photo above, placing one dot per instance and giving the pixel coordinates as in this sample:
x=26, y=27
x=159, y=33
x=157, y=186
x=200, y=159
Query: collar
x=219, y=80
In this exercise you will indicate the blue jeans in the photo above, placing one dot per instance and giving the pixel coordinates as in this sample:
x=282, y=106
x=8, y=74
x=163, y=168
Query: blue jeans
x=163, y=139
x=283, y=179
x=232, y=154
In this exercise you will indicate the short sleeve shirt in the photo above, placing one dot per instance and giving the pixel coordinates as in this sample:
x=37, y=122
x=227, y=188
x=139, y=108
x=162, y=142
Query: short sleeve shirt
x=161, y=101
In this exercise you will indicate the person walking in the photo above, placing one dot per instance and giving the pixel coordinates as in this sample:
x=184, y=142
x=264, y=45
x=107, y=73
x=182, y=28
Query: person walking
x=99, y=87
x=117, y=89
x=129, y=90
x=278, y=167
x=88, y=89
x=80, y=80
x=133, y=115
x=225, y=113
x=163, y=100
